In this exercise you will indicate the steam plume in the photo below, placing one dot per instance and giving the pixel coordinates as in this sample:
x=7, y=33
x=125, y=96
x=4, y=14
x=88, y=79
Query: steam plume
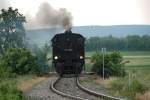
x=4, y=4
x=48, y=16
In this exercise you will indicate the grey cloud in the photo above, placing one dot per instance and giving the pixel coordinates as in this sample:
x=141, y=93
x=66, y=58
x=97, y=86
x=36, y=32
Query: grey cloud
x=48, y=16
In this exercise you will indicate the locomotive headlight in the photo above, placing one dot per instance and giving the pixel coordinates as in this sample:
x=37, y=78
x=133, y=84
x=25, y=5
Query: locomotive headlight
x=81, y=57
x=55, y=57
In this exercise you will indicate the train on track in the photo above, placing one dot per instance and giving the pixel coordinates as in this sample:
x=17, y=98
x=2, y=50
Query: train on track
x=68, y=53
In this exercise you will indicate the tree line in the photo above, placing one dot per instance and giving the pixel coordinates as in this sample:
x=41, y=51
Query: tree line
x=129, y=43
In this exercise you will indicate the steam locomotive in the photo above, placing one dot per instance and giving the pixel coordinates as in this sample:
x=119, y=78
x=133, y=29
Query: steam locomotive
x=68, y=53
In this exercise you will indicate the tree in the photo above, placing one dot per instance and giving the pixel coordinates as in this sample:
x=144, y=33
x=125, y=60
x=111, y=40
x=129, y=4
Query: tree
x=129, y=43
x=12, y=32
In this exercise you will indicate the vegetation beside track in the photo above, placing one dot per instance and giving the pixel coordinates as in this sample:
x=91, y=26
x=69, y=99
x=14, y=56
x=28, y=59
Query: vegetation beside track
x=12, y=88
x=138, y=69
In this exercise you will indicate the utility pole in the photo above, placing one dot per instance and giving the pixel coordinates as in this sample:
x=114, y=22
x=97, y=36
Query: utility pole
x=129, y=81
x=103, y=52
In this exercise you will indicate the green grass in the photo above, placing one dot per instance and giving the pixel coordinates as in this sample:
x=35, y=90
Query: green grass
x=142, y=75
x=89, y=54
x=135, y=53
x=137, y=60
x=126, y=53
x=88, y=67
x=8, y=87
x=139, y=65
x=18, y=79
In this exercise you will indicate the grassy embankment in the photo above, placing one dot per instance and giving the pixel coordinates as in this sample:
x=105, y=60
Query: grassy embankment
x=9, y=88
x=138, y=67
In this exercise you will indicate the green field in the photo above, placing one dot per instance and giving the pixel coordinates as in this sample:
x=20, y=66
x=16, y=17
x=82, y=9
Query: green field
x=127, y=53
x=138, y=65
x=135, y=58
x=137, y=61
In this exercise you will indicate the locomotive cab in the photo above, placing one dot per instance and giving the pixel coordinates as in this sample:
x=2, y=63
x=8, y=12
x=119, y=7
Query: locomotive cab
x=68, y=53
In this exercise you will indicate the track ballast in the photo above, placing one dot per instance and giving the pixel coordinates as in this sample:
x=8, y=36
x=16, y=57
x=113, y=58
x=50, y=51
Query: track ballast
x=71, y=88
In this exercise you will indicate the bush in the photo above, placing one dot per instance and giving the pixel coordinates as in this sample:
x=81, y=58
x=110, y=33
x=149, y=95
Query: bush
x=112, y=64
x=43, y=67
x=6, y=72
x=10, y=92
x=121, y=87
x=19, y=61
x=136, y=87
x=118, y=84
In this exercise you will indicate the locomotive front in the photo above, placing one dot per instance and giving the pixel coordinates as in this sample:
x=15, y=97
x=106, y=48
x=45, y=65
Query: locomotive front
x=68, y=53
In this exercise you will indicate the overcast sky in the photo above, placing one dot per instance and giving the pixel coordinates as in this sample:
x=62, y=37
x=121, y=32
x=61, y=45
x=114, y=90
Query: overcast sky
x=92, y=12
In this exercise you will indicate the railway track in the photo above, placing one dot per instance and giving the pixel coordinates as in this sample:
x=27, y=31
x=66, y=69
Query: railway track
x=71, y=88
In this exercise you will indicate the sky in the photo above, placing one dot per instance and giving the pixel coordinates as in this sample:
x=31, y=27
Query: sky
x=91, y=12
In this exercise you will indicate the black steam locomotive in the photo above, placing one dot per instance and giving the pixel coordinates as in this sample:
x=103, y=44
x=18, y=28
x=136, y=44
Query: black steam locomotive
x=68, y=53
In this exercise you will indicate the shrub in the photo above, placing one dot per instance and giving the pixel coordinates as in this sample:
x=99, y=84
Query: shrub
x=112, y=64
x=118, y=84
x=43, y=67
x=19, y=61
x=136, y=87
x=10, y=92
x=6, y=72
x=122, y=87
x=42, y=61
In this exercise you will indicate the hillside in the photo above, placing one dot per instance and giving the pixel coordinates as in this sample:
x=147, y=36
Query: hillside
x=40, y=36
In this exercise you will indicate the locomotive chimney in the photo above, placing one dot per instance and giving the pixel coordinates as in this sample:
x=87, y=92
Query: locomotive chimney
x=68, y=31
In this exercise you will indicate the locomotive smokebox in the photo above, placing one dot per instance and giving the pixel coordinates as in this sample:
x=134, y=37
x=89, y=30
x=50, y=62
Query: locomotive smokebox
x=68, y=31
x=68, y=52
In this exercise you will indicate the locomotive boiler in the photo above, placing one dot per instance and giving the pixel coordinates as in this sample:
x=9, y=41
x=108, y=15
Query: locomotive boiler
x=68, y=53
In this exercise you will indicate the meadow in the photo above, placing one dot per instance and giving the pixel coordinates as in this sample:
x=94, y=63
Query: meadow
x=13, y=88
x=137, y=67
x=138, y=64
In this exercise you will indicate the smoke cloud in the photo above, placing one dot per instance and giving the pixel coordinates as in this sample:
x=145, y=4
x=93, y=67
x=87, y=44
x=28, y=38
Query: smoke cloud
x=47, y=16
x=4, y=4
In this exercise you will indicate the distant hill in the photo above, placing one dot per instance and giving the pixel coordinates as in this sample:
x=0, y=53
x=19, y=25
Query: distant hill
x=40, y=36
